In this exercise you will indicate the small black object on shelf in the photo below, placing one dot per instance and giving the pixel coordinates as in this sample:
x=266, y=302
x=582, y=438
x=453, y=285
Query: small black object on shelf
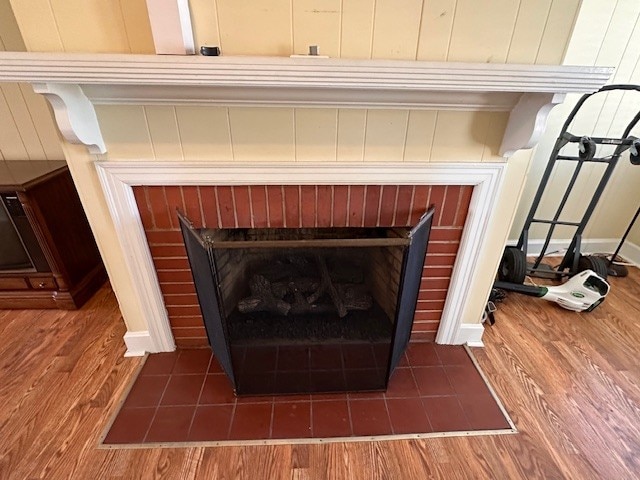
x=210, y=51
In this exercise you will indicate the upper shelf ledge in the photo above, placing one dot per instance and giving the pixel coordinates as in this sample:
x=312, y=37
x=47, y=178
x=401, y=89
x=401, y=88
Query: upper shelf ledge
x=298, y=80
x=527, y=91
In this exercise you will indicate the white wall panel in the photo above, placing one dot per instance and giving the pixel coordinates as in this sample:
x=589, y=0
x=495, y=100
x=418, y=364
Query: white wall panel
x=396, y=28
x=356, y=33
x=528, y=30
x=27, y=131
x=255, y=28
x=204, y=21
x=435, y=30
x=23, y=121
x=11, y=144
x=163, y=131
x=482, y=30
x=558, y=29
x=351, y=133
x=316, y=134
x=316, y=23
x=205, y=133
x=420, y=132
x=263, y=134
x=460, y=136
x=385, y=135
x=44, y=123
x=125, y=132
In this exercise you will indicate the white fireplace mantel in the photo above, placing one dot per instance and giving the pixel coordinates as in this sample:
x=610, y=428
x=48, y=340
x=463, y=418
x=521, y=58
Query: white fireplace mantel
x=74, y=83
x=119, y=177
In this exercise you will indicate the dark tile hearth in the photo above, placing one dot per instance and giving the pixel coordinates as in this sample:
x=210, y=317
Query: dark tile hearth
x=185, y=397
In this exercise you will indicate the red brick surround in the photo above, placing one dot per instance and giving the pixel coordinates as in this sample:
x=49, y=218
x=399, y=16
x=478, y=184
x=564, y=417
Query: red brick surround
x=298, y=206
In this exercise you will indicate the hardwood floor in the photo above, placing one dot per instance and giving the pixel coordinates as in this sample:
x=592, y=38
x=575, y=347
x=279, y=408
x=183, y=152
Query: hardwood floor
x=571, y=383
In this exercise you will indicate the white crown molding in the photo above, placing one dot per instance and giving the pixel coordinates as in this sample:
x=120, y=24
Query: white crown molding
x=118, y=178
x=527, y=91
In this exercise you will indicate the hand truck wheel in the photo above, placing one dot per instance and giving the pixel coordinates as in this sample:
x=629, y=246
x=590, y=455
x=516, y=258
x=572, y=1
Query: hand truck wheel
x=513, y=266
x=597, y=264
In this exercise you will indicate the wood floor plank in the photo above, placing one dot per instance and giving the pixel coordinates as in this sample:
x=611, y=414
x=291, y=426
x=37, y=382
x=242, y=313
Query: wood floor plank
x=571, y=383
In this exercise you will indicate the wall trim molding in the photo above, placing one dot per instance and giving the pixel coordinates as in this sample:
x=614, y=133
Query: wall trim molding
x=118, y=178
x=528, y=92
x=138, y=343
x=470, y=334
x=630, y=251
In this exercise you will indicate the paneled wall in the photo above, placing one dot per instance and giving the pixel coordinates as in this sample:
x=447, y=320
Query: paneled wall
x=286, y=134
x=525, y=31
x=606, y=34
x=115, y=26
x=27, y=131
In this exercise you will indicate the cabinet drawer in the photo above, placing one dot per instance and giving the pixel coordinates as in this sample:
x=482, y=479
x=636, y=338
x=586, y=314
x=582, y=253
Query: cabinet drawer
x=16, y=283
x=43, y=283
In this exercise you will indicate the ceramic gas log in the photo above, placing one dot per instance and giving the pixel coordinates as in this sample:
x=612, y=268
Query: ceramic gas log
x=304, y=294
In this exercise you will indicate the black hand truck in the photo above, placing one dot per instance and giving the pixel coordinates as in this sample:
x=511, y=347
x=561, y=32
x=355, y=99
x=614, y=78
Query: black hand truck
x=514, y=267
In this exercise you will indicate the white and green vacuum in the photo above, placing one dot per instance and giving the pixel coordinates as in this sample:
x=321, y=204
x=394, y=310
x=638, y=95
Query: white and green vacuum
x=581, y=293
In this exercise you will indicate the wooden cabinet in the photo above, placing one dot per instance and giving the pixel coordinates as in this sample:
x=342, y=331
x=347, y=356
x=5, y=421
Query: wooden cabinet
x=43, y=205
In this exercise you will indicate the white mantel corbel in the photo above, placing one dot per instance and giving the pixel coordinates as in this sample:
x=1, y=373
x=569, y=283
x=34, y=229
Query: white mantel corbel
x=74, y=83
x=74, y=114
x=527, y=121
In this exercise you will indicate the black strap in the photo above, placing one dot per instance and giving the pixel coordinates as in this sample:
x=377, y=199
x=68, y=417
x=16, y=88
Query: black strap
x=496, y=296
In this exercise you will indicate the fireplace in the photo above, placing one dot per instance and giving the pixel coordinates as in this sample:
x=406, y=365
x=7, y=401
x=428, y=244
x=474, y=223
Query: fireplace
x=303, y=310
x=303, y=206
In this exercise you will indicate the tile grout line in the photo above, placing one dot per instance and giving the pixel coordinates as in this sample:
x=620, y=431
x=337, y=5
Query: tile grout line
x=273, y=398
x=415, y=382
x=233, y=416
x=386, y=409
x=155, y=413
x=204, y=381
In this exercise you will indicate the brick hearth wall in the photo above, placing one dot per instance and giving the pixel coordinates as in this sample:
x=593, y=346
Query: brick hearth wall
x=298, y=206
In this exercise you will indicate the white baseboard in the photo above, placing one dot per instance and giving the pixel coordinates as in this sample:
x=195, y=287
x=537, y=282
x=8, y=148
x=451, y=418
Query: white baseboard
x=470, y=334
x=138, y=343
x=629, y=251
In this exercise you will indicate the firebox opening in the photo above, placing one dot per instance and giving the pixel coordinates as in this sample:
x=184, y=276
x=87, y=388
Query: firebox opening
x=330, y=293
x=307, y=310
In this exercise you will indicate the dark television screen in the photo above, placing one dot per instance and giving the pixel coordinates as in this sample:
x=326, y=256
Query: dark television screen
x=13, y=255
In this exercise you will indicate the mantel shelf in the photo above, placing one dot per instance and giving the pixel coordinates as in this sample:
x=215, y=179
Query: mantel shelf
x=73, y=83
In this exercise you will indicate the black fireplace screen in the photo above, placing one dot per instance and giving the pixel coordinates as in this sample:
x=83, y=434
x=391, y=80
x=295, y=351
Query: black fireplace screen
x=307, y=310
